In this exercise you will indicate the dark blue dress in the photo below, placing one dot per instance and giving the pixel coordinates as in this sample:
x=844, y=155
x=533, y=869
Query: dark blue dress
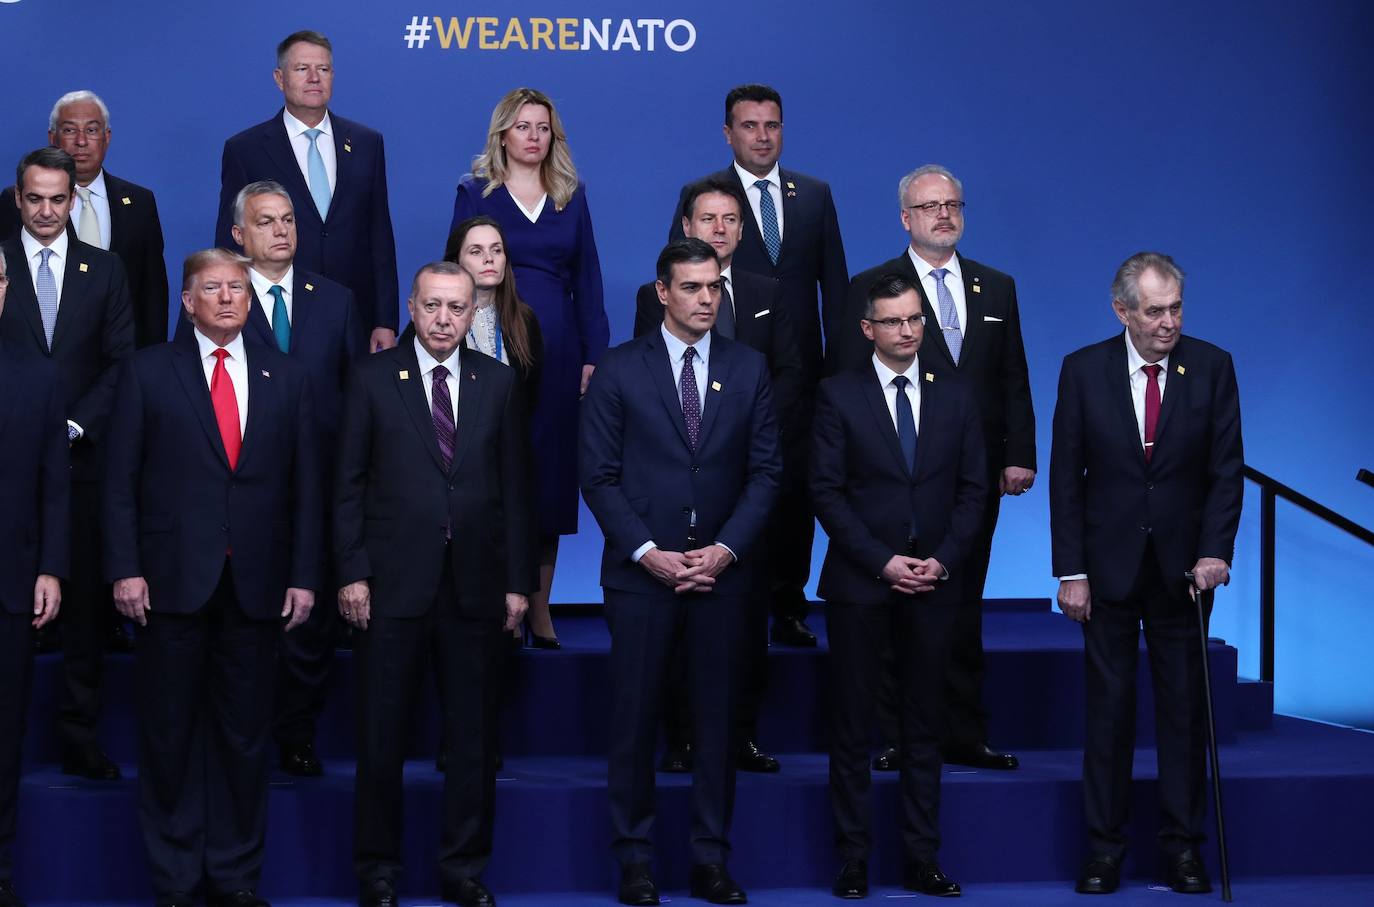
x=558, y=275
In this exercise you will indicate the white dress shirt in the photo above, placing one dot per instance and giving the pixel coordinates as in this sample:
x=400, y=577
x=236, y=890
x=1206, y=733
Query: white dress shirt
x=752, y=191
x=57, y=261
x=913, y=390
x=300, y=146
x=427, y=365
x=1135, y=368
x=236, y=364
x=100, y=201
x=954, y=282
x=262, y=287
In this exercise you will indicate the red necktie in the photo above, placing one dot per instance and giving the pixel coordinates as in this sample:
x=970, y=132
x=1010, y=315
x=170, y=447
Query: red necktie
x=226, y=408
x=1151, y=408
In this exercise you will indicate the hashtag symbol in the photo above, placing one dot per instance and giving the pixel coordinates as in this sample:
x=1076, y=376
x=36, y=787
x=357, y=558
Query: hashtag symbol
x=417, y=32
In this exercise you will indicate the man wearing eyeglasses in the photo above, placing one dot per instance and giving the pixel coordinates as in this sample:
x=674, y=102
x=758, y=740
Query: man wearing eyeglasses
x=974, y=330
x=898, y=482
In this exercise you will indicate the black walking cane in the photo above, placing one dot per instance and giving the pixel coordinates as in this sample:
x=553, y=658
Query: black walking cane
x=1199, y=597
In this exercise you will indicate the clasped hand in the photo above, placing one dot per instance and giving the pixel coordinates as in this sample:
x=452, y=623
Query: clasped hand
x=687, y=571
x=910, y=575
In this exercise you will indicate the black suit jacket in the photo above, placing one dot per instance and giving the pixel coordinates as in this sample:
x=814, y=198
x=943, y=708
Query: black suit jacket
x=35, y=508
x=865, y=494
x=526, y=377
x=810, y=266
x=762, y=323
x=172, y=507
x=1106, y=501
x=354, y=244
x=643, y=482
x=394, y=501
x=992, y=362
x=136, y=237
x=94, y=333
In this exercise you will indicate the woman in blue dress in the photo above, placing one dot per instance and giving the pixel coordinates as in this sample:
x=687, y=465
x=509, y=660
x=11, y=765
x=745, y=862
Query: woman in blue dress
x=526, y=181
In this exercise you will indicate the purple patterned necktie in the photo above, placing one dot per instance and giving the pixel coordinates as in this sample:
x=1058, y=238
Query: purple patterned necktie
x=691, y=397
x=441, y=414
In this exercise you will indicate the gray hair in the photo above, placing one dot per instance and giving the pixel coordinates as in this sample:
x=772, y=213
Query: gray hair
x=4, y=264
x=1126, y=283
x=72, y=97
x=925, y=170
x=261, y=187
x=449, y=268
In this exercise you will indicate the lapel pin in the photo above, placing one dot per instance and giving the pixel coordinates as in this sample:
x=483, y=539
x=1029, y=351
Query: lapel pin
x=404, y=375
x=1181, y=370
x=791, y=185
x=126, y=200
x=715, y=385
x=472, y=376
x=266, y=373
x=791, y=194
x=930, y=377
x=347, y=146
x=310, y=286
x=82, y=268
x=977, y=289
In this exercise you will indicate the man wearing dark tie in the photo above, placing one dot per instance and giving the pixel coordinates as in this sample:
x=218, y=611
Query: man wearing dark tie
x=212, y=513
x=973, y=333
x=34, y=513
x=897, y=479
x=792, y=235
x=433, y=538
x=71, y=305
x=751, y=311
x=679, y=462
x=108, y=212
x=335, y=172
x=310, y=318
x=1146, y=478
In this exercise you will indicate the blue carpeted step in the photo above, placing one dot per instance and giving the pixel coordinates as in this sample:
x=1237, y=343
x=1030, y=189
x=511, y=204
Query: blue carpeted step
x=1298, y=801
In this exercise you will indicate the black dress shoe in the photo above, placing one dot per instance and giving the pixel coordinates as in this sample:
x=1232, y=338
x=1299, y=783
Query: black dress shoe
x=1187, y=875
x=1101, y=875
x=926, y=877
x=889, y=760
x=677, y=759
x=637, y=886
x=751, y=759
x=852, y=882
x=8, y=896
x=377, y=893
x=792, y=631
x=712, y=882
x=90, y=762
x=981, y=756
x=470, y=893
x=245, y=897
x=299, y=759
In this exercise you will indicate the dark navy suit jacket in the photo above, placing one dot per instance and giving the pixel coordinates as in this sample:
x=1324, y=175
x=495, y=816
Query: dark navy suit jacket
x=35, y=506
x=1106, y=501
x=172, y=507
x=354, y=244
x=642, y=480
x=865, y=494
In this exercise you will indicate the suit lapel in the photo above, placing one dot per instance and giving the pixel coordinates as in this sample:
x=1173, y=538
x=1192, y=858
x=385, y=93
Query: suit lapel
x=876, y=396
x=753, y=235
x=661, y=373
x=1118, y=383
x=302, y=306
x=473, y=398
x=257, y=321
x=1174, y=389
x=116, y=191
x=22, y=302
x=410, y=385
x=276, y=144
x=717, y=376
x=790, y=205
x=9, y=383
x=973, y=307
x=75, y=281
x=186, y=363
x=261, y=386
x=931, y=400
x=343, y=161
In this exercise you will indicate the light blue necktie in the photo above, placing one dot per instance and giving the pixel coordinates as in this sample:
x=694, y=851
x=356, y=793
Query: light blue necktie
x=769, y=215
x=949, y=315
x=281, y=322
x=319, y=177
x=47, y=296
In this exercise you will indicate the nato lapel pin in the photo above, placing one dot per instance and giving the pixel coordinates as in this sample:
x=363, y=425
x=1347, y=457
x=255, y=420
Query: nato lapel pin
x=930, y=377
x=715, y=385
x=348, y=146
x=310, y=287
x=82, y=268
x=266, y=373
x=126, y=200
x=404, y=375
x=1181, y=369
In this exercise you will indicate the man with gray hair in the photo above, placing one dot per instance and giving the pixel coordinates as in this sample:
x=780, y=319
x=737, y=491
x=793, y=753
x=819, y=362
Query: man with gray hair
x=109, y=213
x=973, y=332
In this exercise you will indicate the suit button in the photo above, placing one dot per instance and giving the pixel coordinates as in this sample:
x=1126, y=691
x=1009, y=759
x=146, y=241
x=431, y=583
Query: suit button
x=1144, y=528
x=224, y=528
x=1149, y=486
x=450, y=486
x=696, y=468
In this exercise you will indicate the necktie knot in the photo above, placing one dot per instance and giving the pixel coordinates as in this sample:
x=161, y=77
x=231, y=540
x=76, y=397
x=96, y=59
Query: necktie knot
x=1152, y=371
x=84, y=193
x=46, y=253
x=440, y=373
x=689, y=354
x=939, y=273
x=900, y=382
x=761, y=185
x=220, y=355
x=312, y=134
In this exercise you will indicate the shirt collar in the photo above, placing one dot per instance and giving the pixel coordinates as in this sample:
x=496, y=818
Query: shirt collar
x=923, y=267
x=748, y=179
x=261, y=284
x=885, y=374
x=725, y=274
x=295, y=127
x=428, y=363
x=676, y=348
x=32, y=246
x=97, y=186
x=207, y=346
x=1135, y=362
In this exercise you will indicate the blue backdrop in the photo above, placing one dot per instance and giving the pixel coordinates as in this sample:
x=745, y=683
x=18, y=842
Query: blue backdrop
x=1233, y=135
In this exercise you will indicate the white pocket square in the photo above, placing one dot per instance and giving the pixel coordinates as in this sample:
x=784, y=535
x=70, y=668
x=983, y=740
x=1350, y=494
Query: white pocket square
x=761, y=314
x=991, y=318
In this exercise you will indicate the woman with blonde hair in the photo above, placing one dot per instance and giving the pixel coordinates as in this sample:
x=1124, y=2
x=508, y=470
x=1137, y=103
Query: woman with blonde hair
x=525, y=180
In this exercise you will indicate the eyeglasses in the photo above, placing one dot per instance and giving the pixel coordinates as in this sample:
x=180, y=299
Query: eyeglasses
x=895, y=324
x=930, y=209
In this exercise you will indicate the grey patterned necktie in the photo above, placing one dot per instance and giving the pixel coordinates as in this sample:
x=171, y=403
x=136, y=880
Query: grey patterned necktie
x=949, y=315
x=47, y=296
x=768, y=214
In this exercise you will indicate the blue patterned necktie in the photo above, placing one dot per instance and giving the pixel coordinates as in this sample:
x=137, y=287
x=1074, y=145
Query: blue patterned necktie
x=949, y=315
x=281, y=322
x=441, y=414
x=319, y=177
x=691, y=397
x=772, y=239
x=47, y=296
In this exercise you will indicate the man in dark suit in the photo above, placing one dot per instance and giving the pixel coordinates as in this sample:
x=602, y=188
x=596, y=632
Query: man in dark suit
x=310, y=318
x=69, y=302
x=751, y=311
x=679, y=463
x=898, y=481
x=34, y=534
x=1146, y=476
x=974, y=334
x=335, y=172
x=792, y=236
x=433, y=538
x=212, y=513
x=109, y=212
